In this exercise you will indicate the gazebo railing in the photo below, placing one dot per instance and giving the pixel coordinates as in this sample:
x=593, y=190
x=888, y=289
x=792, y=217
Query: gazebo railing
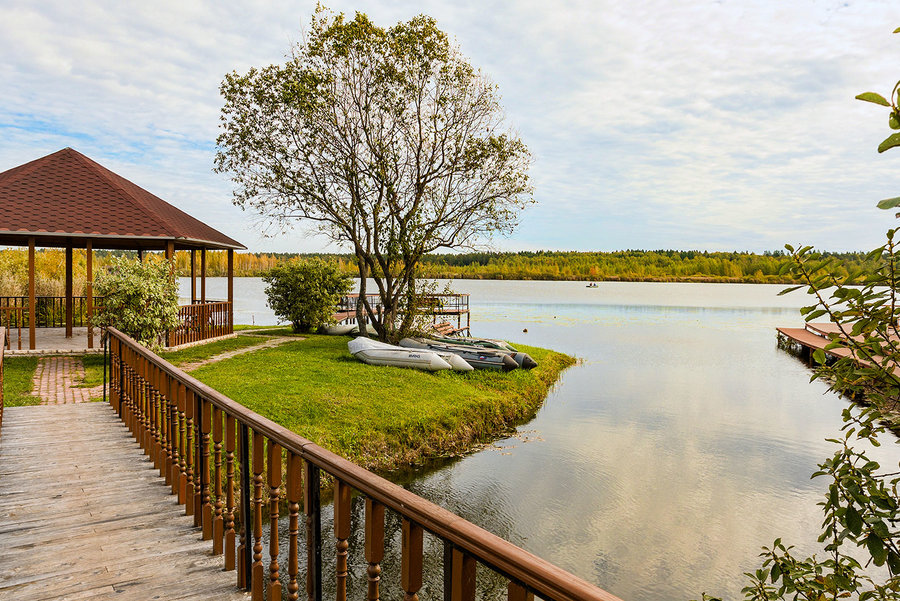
x=197, y=322
x=234, y=470
x=202, y=321
x=50, y=311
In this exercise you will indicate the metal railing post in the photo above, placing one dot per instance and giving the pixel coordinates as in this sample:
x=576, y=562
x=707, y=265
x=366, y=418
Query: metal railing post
x=448, y=570
x=245, y=506
x=313, y=508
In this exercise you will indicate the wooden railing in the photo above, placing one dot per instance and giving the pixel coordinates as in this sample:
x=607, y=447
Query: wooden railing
x=2, y=348
x=219, y=458
x=201, y=321
x=429, y=304
x=50, y=311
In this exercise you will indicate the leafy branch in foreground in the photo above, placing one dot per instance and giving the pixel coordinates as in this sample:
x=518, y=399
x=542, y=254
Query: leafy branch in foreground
x=861, y=526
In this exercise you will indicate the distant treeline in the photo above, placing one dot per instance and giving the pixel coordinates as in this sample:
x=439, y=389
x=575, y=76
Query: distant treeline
x=627, y=265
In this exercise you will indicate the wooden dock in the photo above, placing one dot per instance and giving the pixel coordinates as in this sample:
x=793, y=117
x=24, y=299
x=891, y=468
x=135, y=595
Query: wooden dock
x=84, y=515
x=813, y=338
x=434, y=305
x=817, y=336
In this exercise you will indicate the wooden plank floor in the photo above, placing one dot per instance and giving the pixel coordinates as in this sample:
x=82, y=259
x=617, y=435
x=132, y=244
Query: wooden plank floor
x=83, y=515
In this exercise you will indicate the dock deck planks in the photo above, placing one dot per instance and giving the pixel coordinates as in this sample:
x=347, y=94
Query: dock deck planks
x=83, y=515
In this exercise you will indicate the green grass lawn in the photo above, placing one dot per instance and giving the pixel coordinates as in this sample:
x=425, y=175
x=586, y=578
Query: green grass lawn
x=18, y=373
x=378, y=417
x=381, y=417
x=205, y=351
x=93, y=371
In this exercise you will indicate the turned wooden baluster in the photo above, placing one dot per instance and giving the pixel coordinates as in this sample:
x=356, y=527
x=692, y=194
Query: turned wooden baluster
x=123, y=389
x=294, y=494
x=258, y=468
x=411, y=561
x=165, y=449
x=139, y=395
x=154, y=415
x=145, y=406
x=191, y=482
x=342, y=503
x=229, y=492
x=113, y=369
x=174, y=476
x=274, y=477
x=202, y=478
x=517, y=592
x=126, y=387
x=218, y=520
x=242, y=568
x=161, y=421
x=129, y=374
x=462, y=577
x=374, y=546
x=185, y=438
x=158, y=388
x=178, y=458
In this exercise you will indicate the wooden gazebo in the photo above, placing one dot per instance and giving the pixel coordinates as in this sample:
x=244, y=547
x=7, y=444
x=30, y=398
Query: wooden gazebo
x=66, y=200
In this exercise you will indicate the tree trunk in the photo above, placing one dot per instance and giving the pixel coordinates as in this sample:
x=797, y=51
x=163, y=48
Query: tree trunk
x=360, y=303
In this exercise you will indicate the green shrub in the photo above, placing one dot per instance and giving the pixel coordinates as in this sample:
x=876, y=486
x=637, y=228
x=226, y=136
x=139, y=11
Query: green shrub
x=139, y=298
x=306, y=293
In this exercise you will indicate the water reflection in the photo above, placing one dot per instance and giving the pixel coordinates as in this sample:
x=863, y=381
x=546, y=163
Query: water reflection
x=659, y=465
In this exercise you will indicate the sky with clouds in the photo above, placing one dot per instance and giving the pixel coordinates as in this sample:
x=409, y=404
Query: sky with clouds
x=654, y=124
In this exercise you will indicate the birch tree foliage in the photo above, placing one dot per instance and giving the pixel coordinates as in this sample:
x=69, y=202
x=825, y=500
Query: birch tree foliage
x=387, y=140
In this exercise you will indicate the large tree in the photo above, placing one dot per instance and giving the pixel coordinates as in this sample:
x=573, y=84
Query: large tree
x=387, y=139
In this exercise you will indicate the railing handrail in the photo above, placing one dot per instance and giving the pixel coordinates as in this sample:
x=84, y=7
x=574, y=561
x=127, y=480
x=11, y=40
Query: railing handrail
x=545, y=579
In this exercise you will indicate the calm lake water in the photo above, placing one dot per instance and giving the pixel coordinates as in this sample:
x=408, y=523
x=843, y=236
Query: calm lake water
x=658, y=466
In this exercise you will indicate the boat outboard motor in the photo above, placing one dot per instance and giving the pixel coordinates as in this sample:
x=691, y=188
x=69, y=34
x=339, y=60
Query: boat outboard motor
x=524, y=361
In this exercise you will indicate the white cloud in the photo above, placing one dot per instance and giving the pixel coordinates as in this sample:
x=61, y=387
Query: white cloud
x=726, y=125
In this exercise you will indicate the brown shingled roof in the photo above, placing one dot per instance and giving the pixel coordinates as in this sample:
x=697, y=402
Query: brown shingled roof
x=66, y=194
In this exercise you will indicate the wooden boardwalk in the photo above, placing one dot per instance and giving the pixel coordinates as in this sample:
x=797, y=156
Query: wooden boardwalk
x=83, y=515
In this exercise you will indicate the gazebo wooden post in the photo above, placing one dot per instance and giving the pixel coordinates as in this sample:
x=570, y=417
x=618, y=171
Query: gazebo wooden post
x=140, y=255
x=89, y=291
x=32, y=313
x=193, y=276
x=170, y=257
x=203, y=275
x=69, y=289
x=203, y=315
x=230, y=291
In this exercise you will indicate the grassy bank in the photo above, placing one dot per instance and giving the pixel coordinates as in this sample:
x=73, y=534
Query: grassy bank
x=381, y=417
x=378, y=417
x=18, y=373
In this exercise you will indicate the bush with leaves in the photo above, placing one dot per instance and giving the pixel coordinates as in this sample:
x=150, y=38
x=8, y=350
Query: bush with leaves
x=139, y=298
x=306, y=293
x=861, y=526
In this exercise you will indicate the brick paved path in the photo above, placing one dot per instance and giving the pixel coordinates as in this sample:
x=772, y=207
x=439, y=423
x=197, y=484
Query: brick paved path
x=55, y=379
